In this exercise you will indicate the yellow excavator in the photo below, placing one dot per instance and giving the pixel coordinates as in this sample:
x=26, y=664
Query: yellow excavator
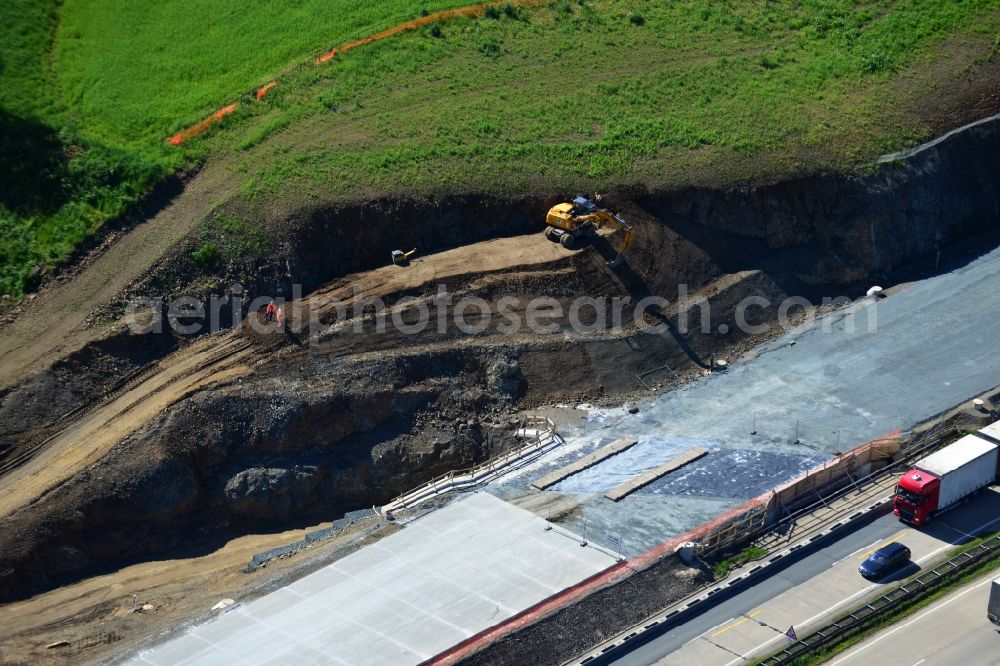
x=571, y=224
x=401, y=258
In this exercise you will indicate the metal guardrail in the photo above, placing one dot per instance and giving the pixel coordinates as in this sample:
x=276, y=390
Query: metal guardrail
x=927, y=442
x=867, y=483
x=909, y=456
x=909, y=591
x=498, y=460
x=544, y=434
x=690, y=605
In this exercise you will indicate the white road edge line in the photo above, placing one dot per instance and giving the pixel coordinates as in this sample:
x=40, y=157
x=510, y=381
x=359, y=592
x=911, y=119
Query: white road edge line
x=871, y=545
x=916, y=618
x=849, y=599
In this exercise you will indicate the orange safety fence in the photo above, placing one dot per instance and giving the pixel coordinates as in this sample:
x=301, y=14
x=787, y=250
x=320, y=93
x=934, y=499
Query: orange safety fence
x=444, y=15
x=263, y=89
x=195, y=130
x=474, y=10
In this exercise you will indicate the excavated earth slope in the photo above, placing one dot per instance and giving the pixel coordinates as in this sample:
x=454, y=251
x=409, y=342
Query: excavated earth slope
x=143, y=446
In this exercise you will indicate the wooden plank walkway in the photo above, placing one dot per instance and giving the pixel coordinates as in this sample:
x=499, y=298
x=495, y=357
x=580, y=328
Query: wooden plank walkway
x=647, y=478
x=588, y=460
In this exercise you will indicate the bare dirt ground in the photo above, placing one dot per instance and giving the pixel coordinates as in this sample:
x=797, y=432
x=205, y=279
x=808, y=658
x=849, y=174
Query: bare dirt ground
x=93, y=620
x=227, y=355
x=92, y=616
x=56, y=321
x=85, y=441
x=344, y=401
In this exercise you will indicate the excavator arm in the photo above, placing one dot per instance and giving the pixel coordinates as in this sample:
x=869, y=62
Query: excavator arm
x=614, y=221
x=582, y=216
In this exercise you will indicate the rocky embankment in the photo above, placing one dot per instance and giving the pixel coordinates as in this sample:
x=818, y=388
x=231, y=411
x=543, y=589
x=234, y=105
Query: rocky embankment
x=305, y=435
x=295, y=443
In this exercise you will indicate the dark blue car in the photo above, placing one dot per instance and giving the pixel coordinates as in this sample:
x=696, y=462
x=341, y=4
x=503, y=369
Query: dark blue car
x=884, y=561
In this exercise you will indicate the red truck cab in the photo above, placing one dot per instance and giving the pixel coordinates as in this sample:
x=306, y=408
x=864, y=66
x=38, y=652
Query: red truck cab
x=916, y=497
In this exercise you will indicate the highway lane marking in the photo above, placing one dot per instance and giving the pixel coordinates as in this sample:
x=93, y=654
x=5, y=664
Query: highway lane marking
x=883, y=545
x=851, y=598
x=737, y=623
x=871, y=545
x=919, y=617
x=951, y=527
x=874, y=545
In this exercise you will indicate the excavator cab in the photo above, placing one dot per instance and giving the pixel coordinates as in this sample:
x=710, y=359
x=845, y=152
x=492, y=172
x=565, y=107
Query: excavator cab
x=571, y=224
x=583, y=206
x=401, y=258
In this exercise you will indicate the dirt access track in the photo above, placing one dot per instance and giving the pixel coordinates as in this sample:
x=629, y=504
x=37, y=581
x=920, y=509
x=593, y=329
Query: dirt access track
x=97, y=490
x=229, y=355
x=57, y=322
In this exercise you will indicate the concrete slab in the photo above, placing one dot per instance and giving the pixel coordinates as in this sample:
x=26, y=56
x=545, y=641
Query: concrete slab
x=591, y=459
x=445, y=577
x=177, y=651
x=657, y=472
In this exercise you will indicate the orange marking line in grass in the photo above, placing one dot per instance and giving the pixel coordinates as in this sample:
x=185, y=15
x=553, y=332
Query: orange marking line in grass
x=264, y=88
x=195, y=130
x=443, y=15
x=472, y=10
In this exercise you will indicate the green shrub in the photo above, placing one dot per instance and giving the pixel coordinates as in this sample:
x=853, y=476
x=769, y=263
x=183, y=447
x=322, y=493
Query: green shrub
x=489, y=48
x=721, y=569
x=636, y=19
x=875, y=61
x=206, y=257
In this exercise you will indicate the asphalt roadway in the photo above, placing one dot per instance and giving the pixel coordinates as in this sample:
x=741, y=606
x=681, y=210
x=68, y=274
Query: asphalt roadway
x=954, y=630
x=807, y=593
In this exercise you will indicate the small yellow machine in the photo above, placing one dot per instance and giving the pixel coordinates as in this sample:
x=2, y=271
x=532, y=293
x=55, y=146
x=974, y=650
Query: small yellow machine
x=572, y=223
x=401, y=258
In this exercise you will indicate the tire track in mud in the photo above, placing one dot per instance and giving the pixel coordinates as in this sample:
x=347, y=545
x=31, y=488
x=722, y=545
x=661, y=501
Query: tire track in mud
x=136, y=401
x=90, y=431
x=56, y=323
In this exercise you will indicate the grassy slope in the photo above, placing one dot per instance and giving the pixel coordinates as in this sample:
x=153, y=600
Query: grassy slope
x=136, y=72
x=90, y=88
x=59, y=185
x=578, y=96
x=573, y=95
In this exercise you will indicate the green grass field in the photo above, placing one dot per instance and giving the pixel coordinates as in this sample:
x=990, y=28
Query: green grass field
x=91, y=89
x=570, y=95
x=161, y=66
x=581, y=96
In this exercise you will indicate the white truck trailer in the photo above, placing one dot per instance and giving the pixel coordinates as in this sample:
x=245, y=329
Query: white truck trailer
x=945, y=478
